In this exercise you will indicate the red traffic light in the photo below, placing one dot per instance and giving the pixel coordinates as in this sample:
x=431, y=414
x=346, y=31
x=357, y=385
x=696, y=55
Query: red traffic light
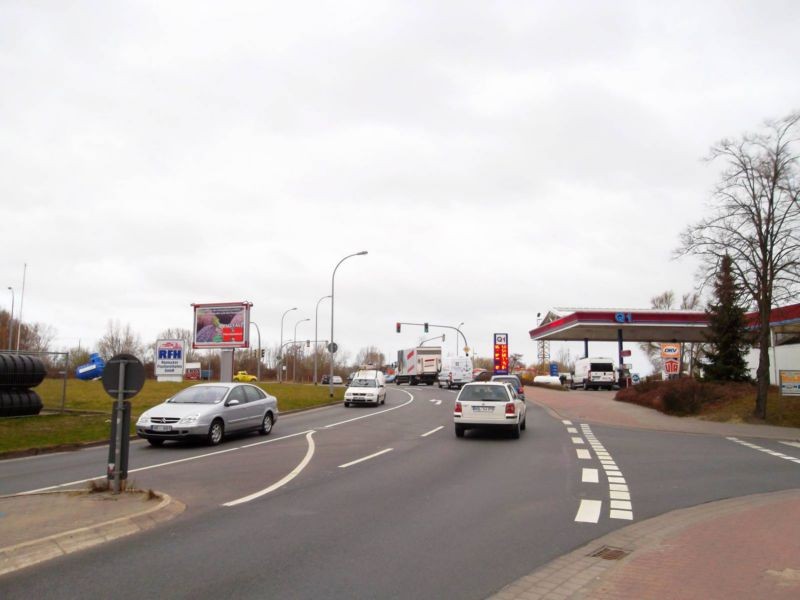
x=398, y=327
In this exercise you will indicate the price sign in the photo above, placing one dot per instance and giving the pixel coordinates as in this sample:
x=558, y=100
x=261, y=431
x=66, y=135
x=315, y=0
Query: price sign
x=501, y=354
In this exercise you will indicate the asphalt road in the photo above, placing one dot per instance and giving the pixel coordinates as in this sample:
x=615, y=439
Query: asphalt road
x=380, y=502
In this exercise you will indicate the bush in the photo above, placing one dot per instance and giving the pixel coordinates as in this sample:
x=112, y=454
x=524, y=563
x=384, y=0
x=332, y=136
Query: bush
x=683, y=396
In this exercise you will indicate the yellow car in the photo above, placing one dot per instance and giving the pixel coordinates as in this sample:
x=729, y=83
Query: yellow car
x=244, y=376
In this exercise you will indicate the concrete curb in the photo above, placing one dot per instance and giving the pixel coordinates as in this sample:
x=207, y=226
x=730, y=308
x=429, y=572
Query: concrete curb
x=578, y=575
x=25, y=554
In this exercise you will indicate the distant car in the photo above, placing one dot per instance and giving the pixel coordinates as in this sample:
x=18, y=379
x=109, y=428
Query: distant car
x=326, y=379
x=489, y=404
x=244, y=376
x=513, y=380
x=209, y=411
x=337, y=380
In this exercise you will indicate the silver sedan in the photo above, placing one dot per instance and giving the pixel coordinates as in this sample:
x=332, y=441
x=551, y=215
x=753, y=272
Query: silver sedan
x=209, y=411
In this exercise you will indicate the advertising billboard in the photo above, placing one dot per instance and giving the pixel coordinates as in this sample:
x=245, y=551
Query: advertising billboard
x=501, y=354
x=170, y=356
x=790, y=383
x=222, y=325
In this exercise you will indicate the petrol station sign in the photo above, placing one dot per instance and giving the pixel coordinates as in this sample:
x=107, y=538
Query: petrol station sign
x=501, y=354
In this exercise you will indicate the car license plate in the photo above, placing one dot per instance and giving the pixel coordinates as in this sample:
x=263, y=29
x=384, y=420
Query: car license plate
x=162, y=427
x=483, y=409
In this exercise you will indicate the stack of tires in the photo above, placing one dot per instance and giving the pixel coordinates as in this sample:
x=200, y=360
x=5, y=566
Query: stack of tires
x=19, y=373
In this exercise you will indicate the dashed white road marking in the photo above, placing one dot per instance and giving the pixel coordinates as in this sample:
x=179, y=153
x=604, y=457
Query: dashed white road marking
x=567, y=422
x=794, y=444
x=432, y=431
x=590, y=476
x=583, y=454
x=577, y=440
x=621, y=514
x=279, y=484
x=571, y=430
x=380, y=412
x=360, y=460
x=589, y=511
x=793, y=459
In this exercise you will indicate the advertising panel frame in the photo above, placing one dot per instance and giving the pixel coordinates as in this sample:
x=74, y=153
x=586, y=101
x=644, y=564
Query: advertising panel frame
x=500, y=353
x=217, y=325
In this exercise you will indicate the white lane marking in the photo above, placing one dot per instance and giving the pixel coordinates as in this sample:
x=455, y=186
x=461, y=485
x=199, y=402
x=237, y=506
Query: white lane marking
x=621, y=514
x=360, y=460
x=619, y=495
x=438, y=403
x=767, y=450
x=583, y=454
x=620, y=505
x=590, y=476
x=795, y=444
x=618, y=491
x=373, y=414
x=617, y=487
x=567, y=422
x=432, y=431
x=166, y=464
x=571, y=430
x=613, y=473
x=294, y=473
x=589, y=511
x=577, y=440
x=616, y=480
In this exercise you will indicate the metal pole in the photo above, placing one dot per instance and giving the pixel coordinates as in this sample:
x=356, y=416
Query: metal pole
x=333, y=276
x=294, y=362
x=280, y=354
x=64, y=387
x=11, y=319
x=316, y=349
x=458, y=329
x=21, y=302
x=118, y=419
x=258, y=366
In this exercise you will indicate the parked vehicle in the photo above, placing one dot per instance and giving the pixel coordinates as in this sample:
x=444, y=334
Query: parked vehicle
x=367, y=387
x=419, y=365
x=456, y=371
x=244, y=376
x=514, y=381
x=326, y=379
x=489, y=404
x=594, y=373
x=209, y=411
x=337, y=380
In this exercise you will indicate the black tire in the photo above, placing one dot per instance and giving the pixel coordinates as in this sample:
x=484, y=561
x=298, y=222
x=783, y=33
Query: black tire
x=216, y=432
x=21, y=371
x=266, y=424
x=459, y=430
x=19, y=403
x=585, y=386
x=347, y=405
x=155, y=442
x=515, y=429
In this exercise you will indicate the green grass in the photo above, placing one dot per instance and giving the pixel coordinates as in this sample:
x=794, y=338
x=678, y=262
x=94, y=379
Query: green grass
x=55, y=430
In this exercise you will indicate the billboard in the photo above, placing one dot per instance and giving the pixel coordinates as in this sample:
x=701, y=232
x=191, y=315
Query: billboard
x=790, y=383
x=501, y=354
x=222, y=325
x=170, y=356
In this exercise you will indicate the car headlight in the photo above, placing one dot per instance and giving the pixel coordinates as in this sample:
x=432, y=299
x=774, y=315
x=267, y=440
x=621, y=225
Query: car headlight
x=189, y=419
x=143, y=420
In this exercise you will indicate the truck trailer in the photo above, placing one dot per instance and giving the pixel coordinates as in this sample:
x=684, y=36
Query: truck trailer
x=419, y=365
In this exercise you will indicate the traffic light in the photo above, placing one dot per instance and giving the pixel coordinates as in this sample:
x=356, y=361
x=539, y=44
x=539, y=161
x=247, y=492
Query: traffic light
x=398, y=327
x=262, y=353
x=426, y=328
x=442, y=337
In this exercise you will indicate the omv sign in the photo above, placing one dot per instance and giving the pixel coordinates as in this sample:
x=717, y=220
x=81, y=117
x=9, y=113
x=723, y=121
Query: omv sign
x=670, y=350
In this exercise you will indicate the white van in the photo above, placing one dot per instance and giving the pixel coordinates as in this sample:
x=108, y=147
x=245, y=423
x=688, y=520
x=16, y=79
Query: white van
x=367, y=387
x=594, y=373
x=456, y=371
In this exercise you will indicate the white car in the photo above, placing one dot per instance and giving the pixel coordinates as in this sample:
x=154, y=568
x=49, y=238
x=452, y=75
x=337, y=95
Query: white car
x=367, y=387
x=489, y=404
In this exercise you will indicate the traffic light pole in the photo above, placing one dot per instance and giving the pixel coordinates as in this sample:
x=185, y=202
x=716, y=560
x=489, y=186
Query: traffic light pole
x=466, y=344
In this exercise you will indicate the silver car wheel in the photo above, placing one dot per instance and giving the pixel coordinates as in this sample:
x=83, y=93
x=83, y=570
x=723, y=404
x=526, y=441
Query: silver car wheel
x=215, y=432
x=266, y=424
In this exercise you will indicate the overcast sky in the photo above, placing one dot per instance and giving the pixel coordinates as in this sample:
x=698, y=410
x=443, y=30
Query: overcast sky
x=496, y=159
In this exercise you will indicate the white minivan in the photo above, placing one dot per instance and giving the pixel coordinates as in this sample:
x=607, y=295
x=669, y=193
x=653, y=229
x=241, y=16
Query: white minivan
x=367, y=387
x=456, y=371
x=594, y=373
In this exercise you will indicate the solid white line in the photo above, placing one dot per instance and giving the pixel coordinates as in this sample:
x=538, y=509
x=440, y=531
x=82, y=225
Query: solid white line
x=589, y=511
x=432, y=431
x=590, y=476
x=583, y=454
x=380, y=412
x=165, y=464
x=295, y=472
x=360, y=460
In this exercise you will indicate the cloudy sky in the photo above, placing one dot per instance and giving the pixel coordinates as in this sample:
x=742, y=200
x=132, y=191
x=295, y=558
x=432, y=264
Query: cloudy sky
x=496, y=159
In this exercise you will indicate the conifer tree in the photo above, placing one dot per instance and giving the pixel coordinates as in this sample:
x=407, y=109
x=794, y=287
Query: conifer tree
x=728, y=337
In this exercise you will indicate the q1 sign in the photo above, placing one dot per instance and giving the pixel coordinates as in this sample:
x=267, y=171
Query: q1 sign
x=501, y=354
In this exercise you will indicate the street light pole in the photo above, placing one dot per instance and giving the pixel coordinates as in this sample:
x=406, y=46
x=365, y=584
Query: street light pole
x=316, y=349
x=294, y=362
x=330, y=382
x=458, y=329
x=280, y=348
x=21, y=302
x=258, y=357
x=11, y=318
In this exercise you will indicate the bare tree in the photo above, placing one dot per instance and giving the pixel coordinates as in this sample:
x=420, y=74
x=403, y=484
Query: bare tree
x=755, y=217
x=370, y=355
x=666, y=301
x=118, y=339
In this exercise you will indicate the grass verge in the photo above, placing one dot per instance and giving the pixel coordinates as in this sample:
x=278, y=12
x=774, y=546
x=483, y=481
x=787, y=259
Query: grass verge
x=55, y=431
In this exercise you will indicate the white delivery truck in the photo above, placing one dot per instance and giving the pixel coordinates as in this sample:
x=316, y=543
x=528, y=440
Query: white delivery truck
x=419, y=365
x=594, y=373
x=456, y=371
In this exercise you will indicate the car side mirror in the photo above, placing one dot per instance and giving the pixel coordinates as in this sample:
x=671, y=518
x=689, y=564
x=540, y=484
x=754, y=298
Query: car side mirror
x=233, y=402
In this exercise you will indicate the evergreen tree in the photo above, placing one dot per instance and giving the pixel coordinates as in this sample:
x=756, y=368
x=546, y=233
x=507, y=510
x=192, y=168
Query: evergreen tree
x=728, y=337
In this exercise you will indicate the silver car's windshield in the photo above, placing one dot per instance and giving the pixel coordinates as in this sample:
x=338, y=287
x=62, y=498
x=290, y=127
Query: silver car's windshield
x=364, y=383
x=207, y=394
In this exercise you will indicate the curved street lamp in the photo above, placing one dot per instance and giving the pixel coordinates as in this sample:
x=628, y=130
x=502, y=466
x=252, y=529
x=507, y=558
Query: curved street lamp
x=458, y=329
x=280, y=348
x=332, y=342
x=294, y=362
x=316, y=348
